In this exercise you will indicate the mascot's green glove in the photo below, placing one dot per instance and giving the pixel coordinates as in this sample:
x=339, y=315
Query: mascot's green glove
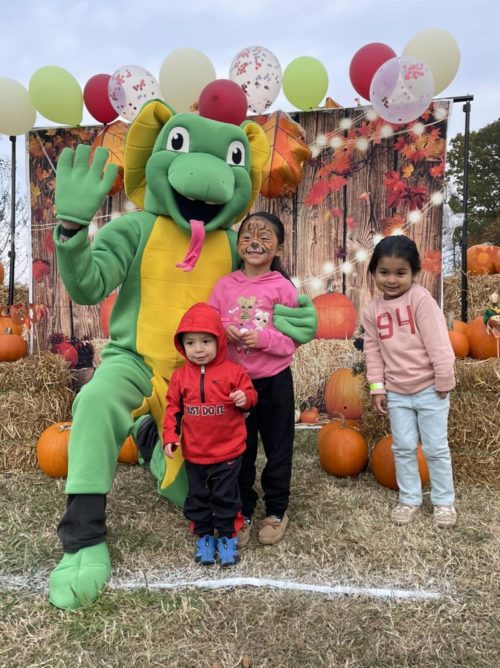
x=300, y=323
x=80, y=188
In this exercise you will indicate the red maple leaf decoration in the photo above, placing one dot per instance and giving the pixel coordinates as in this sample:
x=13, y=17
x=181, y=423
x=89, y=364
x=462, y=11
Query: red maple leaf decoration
x=317, y=193
x=40, y=269
x=432, y=261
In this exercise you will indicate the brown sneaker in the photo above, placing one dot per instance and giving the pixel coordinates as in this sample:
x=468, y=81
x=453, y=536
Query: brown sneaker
x=272, y=529
x=243, y=534
x=445, y=516
x=403, y=513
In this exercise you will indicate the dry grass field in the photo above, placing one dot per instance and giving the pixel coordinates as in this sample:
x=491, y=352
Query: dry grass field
x=345, y=588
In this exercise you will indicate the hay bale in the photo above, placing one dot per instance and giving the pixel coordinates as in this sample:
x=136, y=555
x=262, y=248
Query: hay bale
x=35, y=393
x=473, y=423
x=314, y=362
x=21, y=294
x=479, y=289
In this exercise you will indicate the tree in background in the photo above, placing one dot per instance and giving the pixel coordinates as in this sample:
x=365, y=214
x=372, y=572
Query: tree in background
x=483, y=219
x=22, y=241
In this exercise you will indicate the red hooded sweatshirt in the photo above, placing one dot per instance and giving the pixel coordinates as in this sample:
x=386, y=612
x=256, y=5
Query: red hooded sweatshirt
x=198, y=404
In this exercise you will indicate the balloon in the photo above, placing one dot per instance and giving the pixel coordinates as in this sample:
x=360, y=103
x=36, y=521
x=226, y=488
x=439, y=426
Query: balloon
x=57, y=95
x=95, y=96
x=112, y=137
x=365, y=63
x=17, y=114
x=223, y=100
x=401, y=89
x=129, y=88
x=258, y=72
x=183, y=75
x=439, y=51
x=305, y=82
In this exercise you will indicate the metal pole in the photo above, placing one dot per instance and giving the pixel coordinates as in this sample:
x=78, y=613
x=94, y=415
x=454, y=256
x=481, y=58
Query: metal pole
x=466, y=109
x=12, y=251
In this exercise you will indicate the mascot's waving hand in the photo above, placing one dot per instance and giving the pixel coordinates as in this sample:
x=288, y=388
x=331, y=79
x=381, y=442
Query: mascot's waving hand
x=192, y=178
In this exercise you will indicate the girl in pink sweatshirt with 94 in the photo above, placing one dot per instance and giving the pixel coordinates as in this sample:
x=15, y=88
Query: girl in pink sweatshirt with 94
x=410, y=370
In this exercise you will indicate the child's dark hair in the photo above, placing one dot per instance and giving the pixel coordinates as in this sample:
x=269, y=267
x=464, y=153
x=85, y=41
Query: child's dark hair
x=279, y=230
x=396, y=246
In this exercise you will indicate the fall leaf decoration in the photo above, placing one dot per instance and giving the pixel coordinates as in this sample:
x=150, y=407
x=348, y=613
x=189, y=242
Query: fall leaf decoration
x=112, y=137
x=40, y=269
x=432, y=261
x=284, y=169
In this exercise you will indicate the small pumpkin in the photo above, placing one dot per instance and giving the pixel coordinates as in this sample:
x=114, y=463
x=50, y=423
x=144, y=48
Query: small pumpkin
x=459, y=326
x=344, y=394
x=309, y=415
x=336, y=316
x=384, y=468
x=482, y=345
x=129, y=453
x=335, y=423
x=342, y=451
x=12, y=346
x=52, y=450
x=481, y=259
x=9, y=320
x=459, y=343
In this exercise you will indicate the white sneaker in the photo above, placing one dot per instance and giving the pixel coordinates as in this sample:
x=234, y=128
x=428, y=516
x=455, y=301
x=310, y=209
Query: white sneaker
x=403, y=513
x=445, y=516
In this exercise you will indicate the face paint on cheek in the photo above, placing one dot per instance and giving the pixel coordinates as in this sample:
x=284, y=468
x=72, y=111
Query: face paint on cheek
x=258, y=235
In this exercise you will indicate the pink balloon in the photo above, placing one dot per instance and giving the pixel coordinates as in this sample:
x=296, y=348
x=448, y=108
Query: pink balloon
x=402, y=89
x=223, y=100
x=365, y=63
x=95, y=96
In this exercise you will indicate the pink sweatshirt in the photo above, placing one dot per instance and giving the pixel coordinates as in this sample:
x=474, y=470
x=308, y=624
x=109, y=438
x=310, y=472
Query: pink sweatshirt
x=406, y=344
x=248, y=303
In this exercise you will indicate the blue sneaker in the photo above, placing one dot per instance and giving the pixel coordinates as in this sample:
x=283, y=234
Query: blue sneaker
x=227, y=549
x=205, y=550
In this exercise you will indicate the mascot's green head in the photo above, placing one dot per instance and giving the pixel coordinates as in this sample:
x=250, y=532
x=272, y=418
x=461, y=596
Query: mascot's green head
x=200, y=172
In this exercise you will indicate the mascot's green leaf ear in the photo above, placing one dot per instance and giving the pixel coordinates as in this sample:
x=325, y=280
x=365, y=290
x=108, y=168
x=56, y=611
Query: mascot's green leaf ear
x=141, y=137
x=260, y=152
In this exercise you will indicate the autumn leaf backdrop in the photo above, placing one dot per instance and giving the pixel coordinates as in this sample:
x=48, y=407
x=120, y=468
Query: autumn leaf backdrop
x=344, y=178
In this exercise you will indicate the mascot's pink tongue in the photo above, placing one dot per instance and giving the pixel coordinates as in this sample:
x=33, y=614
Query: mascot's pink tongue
x=195, y=246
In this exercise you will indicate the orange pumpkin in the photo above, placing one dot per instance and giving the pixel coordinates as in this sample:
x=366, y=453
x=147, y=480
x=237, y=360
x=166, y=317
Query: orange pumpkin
x=384, y=468
x=482, y=345
x=481, y=259
x=52, y=450
x=309, y=415
x=336, y=316
x=105, y=313
x=343, y=394
x=10, y=320
x=112, y=137
x=129, y=454
x=335, y=424
x=12, y=347
x=459, y=326
x=459, y=343
x=342, y=451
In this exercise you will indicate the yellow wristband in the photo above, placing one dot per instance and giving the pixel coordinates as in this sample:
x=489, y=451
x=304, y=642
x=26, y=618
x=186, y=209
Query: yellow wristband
x=377, y=386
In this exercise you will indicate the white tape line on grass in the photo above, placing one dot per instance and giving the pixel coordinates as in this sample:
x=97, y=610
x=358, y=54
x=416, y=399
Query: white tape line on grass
x=18, y=583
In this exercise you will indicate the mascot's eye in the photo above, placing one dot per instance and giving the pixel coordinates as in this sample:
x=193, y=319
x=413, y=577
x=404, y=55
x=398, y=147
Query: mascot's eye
x=178, y=140
x=236, y=153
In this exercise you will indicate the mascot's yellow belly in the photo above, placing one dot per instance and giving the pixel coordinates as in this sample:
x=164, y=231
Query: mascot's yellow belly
x=167, y=292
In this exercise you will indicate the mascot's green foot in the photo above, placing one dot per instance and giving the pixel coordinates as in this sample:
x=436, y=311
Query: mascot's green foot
x=79, y=577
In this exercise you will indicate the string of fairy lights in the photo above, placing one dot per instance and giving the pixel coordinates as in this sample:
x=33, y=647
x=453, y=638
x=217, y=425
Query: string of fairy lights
x=332, y=140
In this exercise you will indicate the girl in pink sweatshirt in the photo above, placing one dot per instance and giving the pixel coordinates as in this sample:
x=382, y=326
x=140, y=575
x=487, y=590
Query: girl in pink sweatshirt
x=410, y=370
x=245, y=300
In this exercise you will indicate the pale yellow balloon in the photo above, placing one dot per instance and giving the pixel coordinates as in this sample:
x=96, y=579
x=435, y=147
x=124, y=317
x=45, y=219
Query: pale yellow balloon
x=183, y=75
x=17, y=114
x=439, y=50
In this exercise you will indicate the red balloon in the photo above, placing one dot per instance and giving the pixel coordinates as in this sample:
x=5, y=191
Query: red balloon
x=95, y=96
x=223, y=100
x=365, y=63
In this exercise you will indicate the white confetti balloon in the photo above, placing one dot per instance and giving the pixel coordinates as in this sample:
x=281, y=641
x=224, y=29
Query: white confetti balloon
x=129, y=88
x=258, y=72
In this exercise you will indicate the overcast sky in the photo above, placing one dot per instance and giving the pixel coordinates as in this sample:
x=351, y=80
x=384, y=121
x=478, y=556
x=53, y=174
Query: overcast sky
x=88, y=38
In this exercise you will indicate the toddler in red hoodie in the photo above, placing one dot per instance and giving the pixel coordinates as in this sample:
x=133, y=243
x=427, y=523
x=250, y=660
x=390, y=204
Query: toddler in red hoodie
x=206, y=403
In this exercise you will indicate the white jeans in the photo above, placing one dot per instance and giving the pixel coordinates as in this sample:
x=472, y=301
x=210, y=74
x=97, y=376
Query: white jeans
x=423, y=413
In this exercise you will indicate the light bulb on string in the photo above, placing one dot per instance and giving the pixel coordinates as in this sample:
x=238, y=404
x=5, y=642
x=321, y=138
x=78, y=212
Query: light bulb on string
x=418, y=129
x=415, y=216
x=437, y=198
x=328, y=267
x=336, y=142
x=347, y=267
x=345, y=124
x=377, y=238
x=371, y=115
x=386, y=131
x=361, y=255
x=362, y=144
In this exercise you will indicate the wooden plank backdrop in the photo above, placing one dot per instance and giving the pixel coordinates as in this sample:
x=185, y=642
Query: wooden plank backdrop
x=342, y=202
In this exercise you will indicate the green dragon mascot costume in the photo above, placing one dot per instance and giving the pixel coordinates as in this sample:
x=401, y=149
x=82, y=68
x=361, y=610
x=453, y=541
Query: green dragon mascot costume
x=191, y=178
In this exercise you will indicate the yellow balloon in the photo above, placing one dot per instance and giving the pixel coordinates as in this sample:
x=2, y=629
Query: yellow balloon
x=439, y=50
x=57, y=95
x=17, y=114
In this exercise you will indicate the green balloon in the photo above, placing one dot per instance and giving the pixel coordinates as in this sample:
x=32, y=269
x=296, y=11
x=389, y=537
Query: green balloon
x=305, y=82
x=57, y=95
